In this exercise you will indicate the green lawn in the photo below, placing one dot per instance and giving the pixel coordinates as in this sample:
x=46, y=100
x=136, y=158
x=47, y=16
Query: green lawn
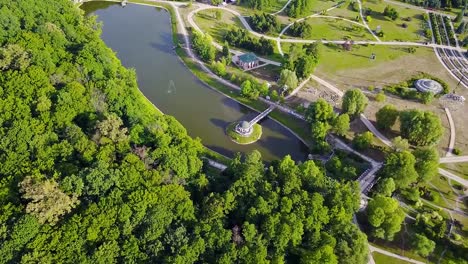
x=384, y=259
x=247, y=11
x=337, y=29
x=244, y=140
x=345, y=11
x=443, y=186
x=460, y=169
x=206, y=20
x=334, y=59
x=393, y=29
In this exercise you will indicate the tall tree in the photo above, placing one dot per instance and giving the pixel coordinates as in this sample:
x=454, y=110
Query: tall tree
x=319, y=111
x=422, y=245
x=385, y=216
x=341, y=124
x=427, y=163
x=386, y=116
x=354, y=102
x=46, y=201
x=400, y=167
x=288, y=79
x=421, y=128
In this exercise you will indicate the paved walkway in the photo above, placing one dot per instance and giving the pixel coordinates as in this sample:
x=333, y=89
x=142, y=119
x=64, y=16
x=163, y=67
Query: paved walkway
x=298, y=88
x=453, y=177
x=365, y=22
x=283, y=8
x=381, y=251
x=453, y=159
x=216, y=164
x=452, y=133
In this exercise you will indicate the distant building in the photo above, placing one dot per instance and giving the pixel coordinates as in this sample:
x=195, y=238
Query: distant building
x=246, y=61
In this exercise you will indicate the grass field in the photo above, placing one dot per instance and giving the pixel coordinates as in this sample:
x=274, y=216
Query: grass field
x=344, y=11
x=460, y=169
x=394, y=30
x=443, y=186
x=337, y=29
x=384, y=259
x=206, y=20
x=335, y=59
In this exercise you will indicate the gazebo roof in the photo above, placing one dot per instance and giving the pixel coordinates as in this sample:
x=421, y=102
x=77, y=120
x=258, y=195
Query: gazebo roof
x=248, y=57
x=244, y=124
x=427, y=85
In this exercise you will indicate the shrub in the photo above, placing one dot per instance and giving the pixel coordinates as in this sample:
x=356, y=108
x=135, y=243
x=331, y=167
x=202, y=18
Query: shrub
x=457, y=151
x=380, y=97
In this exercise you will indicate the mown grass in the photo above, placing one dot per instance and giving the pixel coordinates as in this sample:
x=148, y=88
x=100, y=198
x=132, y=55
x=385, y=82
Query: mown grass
x=380, y=258
x=394, y=30
x=208, y=23
x=337, y=29
x=244, y=140
x=334, y=58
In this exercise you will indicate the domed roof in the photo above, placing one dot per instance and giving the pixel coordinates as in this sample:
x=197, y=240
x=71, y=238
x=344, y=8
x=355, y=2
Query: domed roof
x=427, y=85
x=244, y=124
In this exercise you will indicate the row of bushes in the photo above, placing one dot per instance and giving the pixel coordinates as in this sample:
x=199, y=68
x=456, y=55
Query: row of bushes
x=435, y=28
x=403, y=89
x=451, y=33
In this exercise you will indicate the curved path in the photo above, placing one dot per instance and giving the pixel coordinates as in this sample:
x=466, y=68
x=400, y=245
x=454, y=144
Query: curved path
x=282, y=9
x=452, y=133
x=279, y=40
x=453, y=177
x=381, y=251
x=454, y=159
x=387, y=142
x=365, y=22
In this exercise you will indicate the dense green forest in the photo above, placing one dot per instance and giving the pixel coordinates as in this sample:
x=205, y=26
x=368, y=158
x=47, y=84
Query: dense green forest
x=90, y=172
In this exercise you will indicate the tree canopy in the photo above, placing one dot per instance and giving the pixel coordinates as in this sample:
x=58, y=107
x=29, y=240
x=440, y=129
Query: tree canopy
x=421, y=128
x=385, y=216
x=354, y=102
x=386, y=116
x=92, y=173
x=400, y=167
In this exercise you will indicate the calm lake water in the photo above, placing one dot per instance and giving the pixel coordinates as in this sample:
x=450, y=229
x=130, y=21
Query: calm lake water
x=141, y=36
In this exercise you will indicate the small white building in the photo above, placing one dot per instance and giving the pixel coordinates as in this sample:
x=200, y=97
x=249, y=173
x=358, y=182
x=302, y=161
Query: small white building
x=246, y=61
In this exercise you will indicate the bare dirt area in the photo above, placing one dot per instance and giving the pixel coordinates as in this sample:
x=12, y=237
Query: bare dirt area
x=313, y=91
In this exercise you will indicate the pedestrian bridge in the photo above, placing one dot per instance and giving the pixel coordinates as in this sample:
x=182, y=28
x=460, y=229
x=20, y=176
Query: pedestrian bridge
x=261, y=115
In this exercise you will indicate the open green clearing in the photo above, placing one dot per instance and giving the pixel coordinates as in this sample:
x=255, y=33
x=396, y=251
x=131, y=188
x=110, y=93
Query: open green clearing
x=247, y=11
x=394, y=30
x=206, y=20
x=337, y=29
x=380, y=258
x=334, y=58
x=345, y=11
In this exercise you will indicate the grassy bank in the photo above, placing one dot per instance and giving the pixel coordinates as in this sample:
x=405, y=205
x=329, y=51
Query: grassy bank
x=244, y=140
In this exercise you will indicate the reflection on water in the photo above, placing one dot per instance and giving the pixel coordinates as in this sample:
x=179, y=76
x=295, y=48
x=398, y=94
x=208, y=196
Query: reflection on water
x=142, y=38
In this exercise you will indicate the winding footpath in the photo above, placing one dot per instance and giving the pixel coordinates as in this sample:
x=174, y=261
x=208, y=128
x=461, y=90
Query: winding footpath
x=452, y=133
